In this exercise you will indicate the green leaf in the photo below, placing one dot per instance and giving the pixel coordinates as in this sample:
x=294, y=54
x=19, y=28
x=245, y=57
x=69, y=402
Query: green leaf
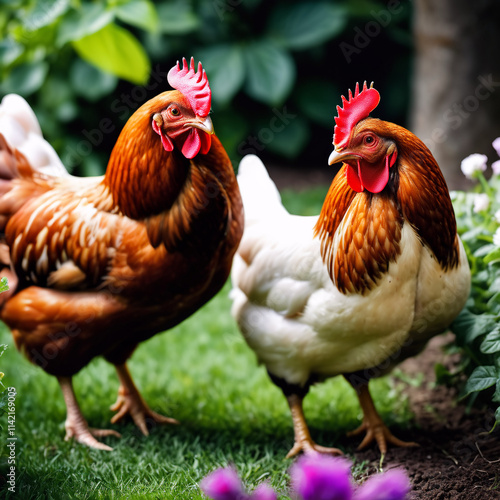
x=306, y=24
x=25, y=79
x=177, y=18
x=89, y=81
x=491, y=343
x=481, y=378
x=43, y=13
x=317, y=100
x=270, y=72
x=116, y=50
x=497, y=415
x=9, y=51
x=225, y=68
x=484, y=250
x=472, y=234
x=496, y=396
x=4, y=284
x=468, y=326
x=88, y=19
x=140, y=13
x=291, y=140
x=493, y=256
x=443, y=375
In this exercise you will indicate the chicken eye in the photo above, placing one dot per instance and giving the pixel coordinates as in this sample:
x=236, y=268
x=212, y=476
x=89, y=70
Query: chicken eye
x=175, y=111
x=369, y=139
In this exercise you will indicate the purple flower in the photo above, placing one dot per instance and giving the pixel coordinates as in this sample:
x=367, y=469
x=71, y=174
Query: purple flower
x=263, y=492
x=322, y=478
x=223, y=484
x=496, y=145
x=392, y=485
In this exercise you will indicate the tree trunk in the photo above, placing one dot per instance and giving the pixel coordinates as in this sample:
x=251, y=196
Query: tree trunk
x=456, y=89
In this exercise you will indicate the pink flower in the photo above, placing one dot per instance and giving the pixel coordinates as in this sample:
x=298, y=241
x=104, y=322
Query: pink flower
x=495, y=166
x=472, y=164
x=496, y=145
x=322, y=478
x=223, y=484
x=392, y=485
x=263, y=492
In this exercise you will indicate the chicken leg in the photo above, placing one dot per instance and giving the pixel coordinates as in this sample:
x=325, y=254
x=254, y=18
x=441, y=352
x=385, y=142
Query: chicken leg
x=76, y=425
x=130, y=402
x=303, y=440
x=372, y=424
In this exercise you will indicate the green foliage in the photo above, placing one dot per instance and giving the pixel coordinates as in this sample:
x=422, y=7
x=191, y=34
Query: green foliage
x=70, y=57
x=477, y=328
x=116, y=50
x=306, y=25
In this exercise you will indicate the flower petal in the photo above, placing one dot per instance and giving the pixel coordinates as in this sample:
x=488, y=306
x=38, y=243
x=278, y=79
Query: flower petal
x=322, y=478
x=392, y=485
x=263, y=492
x=223, y=484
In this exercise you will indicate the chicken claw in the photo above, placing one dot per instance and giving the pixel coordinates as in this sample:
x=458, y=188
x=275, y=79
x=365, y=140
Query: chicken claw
x=87, y=436
x=303, y=440
x=130, y=402
x=76, y=425
x=373, y=425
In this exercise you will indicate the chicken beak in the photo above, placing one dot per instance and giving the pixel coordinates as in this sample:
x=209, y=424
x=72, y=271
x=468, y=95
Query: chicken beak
x=338, y=156
x=203, y=123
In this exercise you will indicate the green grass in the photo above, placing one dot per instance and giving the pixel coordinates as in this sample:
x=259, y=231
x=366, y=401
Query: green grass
x=201, y=373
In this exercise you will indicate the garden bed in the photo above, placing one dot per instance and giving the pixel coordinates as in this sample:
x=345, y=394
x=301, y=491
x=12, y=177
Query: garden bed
x=457, y=457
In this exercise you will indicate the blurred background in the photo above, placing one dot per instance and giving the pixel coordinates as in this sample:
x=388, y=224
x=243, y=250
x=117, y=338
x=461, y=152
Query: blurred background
x=277, y=69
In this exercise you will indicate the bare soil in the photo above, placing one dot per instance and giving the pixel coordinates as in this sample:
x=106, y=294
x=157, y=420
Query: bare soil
x=458, y=458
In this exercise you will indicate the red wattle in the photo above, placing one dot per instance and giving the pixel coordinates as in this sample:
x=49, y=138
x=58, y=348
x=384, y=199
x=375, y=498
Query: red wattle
x=374, y=178
x=353, y=179
x=192, y=144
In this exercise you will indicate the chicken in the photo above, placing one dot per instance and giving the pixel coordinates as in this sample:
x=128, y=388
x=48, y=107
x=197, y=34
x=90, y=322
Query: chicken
x=359, y=288
x=97, y=265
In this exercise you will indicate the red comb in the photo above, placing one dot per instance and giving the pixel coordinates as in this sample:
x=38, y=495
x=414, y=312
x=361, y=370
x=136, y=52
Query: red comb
x=193, y=85
x=355, y=109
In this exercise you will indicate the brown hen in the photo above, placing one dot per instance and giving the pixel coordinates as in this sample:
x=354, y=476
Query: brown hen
x=97, y=265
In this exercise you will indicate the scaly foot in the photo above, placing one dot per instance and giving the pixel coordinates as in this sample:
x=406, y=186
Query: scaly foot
x=76, y=425
x=83, y=434
x=309, y=447
x=131, y=403
x=377, y=431
x=303, y=440
x=373, y=425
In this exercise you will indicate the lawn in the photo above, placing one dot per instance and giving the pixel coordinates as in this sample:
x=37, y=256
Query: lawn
x=201, y=373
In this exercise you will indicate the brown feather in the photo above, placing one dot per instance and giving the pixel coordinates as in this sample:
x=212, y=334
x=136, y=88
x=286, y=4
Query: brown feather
x=416, y=193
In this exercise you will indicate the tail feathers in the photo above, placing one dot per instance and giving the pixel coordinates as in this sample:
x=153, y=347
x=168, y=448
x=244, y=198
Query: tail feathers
x=261, y=198
x=21, y=133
